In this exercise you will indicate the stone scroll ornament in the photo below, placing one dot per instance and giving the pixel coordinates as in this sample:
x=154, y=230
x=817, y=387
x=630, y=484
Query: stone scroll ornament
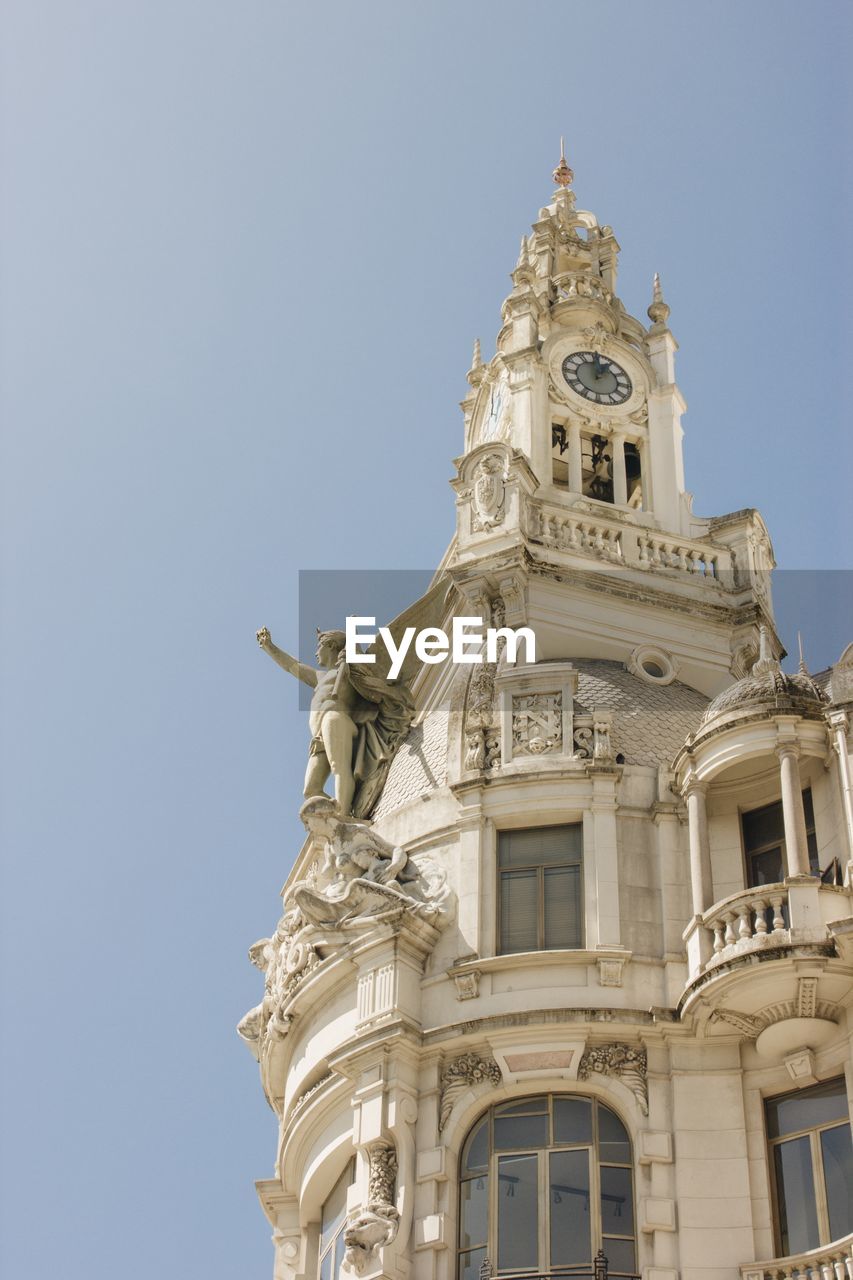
x=622, y=1062
x=377, y=1224
x=459, y=1074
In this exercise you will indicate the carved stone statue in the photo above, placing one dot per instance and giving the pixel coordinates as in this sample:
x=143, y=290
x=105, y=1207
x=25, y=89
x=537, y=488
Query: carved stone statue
x=360, y=880
x=357, y=719
x=362, y=875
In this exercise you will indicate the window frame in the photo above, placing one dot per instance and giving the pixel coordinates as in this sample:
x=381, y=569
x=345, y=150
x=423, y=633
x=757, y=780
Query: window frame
x=329, y=1249
x=540, y=868
x=595, y=1163
x=748, y=854
x=813, y=1133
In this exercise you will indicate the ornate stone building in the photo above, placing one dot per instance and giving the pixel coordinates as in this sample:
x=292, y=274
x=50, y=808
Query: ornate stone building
x=576, y=980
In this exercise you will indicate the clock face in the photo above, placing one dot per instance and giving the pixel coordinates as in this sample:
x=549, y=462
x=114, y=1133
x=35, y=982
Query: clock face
x=493, y=415
x=597, y=378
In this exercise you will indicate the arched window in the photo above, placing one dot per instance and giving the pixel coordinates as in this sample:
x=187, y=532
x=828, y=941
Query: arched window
x=545, y=1183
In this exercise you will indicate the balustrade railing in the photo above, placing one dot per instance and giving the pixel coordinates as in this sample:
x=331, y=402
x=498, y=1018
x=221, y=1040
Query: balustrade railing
x=569, y=534
x=661, y=553
x=830, y=1262
x=624, y=544
x=749, y=921
x=599, y=1269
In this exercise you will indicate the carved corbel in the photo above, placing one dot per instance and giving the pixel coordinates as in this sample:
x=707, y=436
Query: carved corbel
x=377, y=1224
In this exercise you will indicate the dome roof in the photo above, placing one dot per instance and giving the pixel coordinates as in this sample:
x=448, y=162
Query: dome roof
x=650, y=724
x=768, y=687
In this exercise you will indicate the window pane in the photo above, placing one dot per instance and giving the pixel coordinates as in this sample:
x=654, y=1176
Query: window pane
x=475, y=1154
x=519, y=1133
x=563, y=926
x=518, y=1206
x=763, y=826
x=339, y=1255
x=335, y=1208
x=519, y=910
x=540, y=846
x=470, y=1263
x=766, y=867
x=613, y=1141
x=570, y=1208
x=475, y=1212
x=572, y=1120
x=807, y=1109
x=837, y=1153
x=530, y=1106
x=796, y=1196
x=617, y=1201
x=620, y=1256
x=326, y=1265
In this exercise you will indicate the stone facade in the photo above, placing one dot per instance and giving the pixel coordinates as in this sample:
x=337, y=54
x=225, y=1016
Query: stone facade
x=671, y=989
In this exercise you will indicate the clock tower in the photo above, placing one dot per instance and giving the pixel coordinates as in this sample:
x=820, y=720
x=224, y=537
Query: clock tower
x=577, y=417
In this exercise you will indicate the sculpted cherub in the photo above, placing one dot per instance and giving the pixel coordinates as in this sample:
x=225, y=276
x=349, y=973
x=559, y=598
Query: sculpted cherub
x=357, y=718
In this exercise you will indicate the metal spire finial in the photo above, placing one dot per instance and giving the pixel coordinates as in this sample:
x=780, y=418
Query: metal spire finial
x=803, y=669
x=563, y=175
x=658, y=312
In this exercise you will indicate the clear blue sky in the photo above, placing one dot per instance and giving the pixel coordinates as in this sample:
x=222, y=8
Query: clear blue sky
x=245, y=250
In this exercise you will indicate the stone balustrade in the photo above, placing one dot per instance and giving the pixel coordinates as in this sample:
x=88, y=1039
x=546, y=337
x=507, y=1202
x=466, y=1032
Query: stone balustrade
x=610, y=538
x=748, y=921
x=567, y=533
x=581, y=284
x=830, y=1262
x=800, y=911
x=663, y=553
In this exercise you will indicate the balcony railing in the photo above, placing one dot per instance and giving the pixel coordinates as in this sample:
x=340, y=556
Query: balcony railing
x=598, y=1270
x=771, y=916
x=831, y=1262
x=608, y=537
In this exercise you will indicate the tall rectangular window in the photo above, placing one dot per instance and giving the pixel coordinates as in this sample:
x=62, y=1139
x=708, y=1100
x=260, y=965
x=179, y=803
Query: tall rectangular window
x=764, y=842
x=812, y=1166
x=540, y=889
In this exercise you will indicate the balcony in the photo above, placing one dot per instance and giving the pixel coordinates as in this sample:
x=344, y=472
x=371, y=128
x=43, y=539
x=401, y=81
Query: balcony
x=797, y=911
x=771, y=962
x=831, y=1262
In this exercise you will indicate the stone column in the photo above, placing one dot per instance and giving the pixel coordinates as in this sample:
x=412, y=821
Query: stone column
x=793, y=814
x=838, y=728
x=575, y=466
x=700, y=852
x=620, y=479
x=645, y=475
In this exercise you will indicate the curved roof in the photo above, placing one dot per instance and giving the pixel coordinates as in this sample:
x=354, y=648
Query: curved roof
x=771, y=689
x=650, y=721
x=650, y=725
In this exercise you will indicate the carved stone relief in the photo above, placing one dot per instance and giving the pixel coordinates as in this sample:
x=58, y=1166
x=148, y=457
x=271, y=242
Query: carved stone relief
x=467, y=984
x=377, y=1224
x=537, y=724
x=459, y=1074
x=361, y=880
x=623, y=1062
x=482, y=734
x=488, y=493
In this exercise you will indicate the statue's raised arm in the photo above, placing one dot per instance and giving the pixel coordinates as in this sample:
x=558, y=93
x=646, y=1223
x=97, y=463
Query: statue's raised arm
x=296, y=668
x=357, y=718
